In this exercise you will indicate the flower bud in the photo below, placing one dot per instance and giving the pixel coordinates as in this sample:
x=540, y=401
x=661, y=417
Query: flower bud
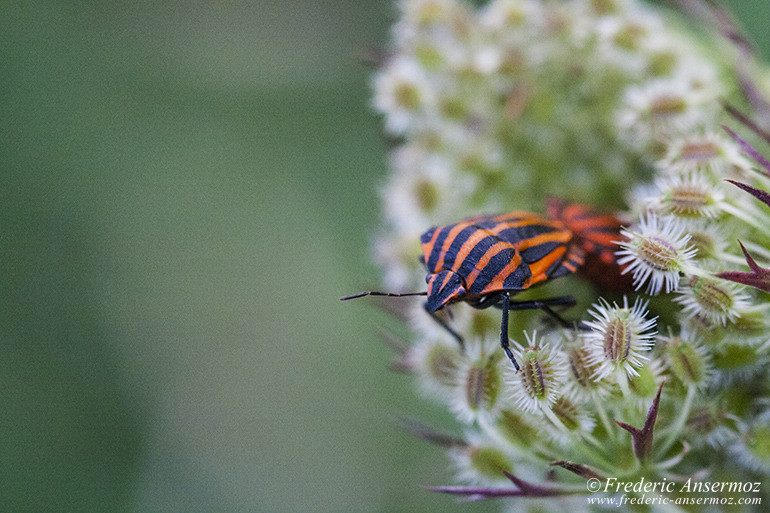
x=402, y=91
x=480, y=461
x=538, y=383
x=707, y=239
x=479, y=382
x=645, y=384
x=572, y=415
x=751, y=325
x=690, y=196
x=438, y=365
x=706, y=426
x=582, y=369
x=656, y=251
x=515, y=426
x=708, y=153
x=712, y=298
x=661, y=108
x=489, y=462
x=737, y=361
x=482, y=384
x=752, y=450
x=619, y=336
x=687, y=361
x=604, y=7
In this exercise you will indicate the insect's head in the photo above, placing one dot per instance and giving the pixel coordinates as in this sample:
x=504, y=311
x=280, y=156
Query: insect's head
x=444, y=287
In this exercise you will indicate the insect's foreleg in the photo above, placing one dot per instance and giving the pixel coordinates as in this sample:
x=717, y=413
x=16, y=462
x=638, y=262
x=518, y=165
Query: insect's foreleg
x=441, y=322
x=504, y=331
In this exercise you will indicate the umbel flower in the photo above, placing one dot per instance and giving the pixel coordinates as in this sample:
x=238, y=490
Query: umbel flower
x=616, y=104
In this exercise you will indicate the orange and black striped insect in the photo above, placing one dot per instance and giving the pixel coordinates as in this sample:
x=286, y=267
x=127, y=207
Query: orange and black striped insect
x=485, y=260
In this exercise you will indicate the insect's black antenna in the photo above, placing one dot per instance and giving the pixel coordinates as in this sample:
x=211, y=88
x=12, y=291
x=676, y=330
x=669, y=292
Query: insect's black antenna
x=375, y=293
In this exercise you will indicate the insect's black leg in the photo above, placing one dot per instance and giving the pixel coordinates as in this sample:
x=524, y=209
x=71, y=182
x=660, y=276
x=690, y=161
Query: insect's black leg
x=446, y=326
x=574, y=325
x=545, y=305
x=504, y=331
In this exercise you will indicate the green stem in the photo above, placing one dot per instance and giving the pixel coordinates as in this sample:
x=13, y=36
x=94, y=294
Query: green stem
x=591, y=439
x=594, y=457
x=676, y=428
x=743, y=216
x=623, y=383
x=555, y=420
x=603, y=415
x=733, y=259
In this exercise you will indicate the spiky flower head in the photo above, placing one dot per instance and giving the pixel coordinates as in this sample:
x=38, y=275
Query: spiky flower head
x=687, y=359
x=662, y=108
x=395, y=251
x=751, y=325
x=542, y=374
x=656, y=251
x=714, y=299
x=706, y=238
x=569, y=417
x=705, y=426
x=752, y=449
x=518, y=427
x=481, y=461
x=582, y=381
x=438, y=363
x=479, y=382
x=691, y=196
x=620, y=336
x=708, y=153
x=413, y=201
x=737, y=363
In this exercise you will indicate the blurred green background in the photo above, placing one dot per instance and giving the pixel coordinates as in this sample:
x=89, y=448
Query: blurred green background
x=186, y=191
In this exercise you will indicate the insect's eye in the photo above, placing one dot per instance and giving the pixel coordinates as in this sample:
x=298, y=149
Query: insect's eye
x=428, y=235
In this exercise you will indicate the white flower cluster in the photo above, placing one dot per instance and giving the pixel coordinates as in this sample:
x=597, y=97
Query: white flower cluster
x=610, y=103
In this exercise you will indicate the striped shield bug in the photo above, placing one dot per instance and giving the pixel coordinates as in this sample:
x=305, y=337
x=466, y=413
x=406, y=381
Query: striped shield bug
x=484, y=260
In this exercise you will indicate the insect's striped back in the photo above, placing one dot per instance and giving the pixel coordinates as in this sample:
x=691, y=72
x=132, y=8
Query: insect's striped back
x=597, y=234
x=507, y=252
